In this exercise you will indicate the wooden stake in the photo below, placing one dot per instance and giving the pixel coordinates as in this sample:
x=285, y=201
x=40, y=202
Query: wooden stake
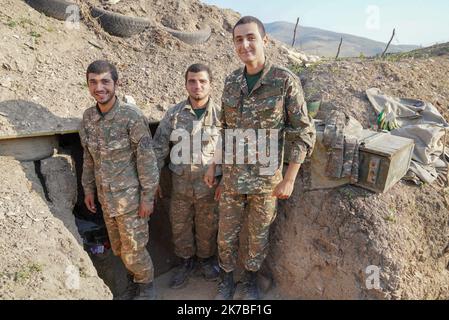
x=392, y=36
x=294, y=32
x=339, y=47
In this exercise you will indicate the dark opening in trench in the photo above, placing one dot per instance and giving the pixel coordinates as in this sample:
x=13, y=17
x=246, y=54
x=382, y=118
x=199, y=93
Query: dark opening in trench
x=40, y=176
x=93, y=231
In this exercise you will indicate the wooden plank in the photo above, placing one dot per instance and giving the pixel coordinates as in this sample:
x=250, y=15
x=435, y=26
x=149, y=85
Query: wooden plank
x=36, y=134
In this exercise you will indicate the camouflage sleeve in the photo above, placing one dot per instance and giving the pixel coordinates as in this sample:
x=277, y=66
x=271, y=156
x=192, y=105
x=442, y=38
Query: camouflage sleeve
x=220, y=147
x=88, y=176
x=300, y=132
x=217, y=141
x=140, y=137
x=161, y=141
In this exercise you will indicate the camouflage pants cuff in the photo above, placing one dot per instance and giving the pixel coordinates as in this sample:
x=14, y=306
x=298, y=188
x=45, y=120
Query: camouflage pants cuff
x=146, y=279
x=226, y=269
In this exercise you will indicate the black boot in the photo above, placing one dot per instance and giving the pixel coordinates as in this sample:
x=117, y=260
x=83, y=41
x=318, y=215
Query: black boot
x=226, y=286
x=131, y=288
x=251, y=289
x=209, y=268
x=145, y=291
x=179, y=279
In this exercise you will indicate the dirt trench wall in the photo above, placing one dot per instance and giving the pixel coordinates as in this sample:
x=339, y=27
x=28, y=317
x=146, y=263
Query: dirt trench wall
x=60, y=181
x=324, y=241
x=41, y=253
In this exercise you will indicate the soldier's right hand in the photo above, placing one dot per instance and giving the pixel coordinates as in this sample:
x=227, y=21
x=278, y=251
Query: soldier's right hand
x=89, y=201
x=218, y=192
x=209, y=177
x=159, y=192
x=145, y=209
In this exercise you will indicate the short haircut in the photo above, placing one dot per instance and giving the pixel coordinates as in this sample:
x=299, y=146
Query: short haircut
x=102, y=66
x=198, y=67
x=251, y=19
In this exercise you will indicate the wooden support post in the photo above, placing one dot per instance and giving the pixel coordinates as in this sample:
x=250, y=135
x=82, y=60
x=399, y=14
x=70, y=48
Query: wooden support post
x=339, y=48
x=392, y=36
x=294, y=32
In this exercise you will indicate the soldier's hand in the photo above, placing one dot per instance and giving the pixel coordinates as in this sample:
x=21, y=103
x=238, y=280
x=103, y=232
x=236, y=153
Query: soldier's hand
x=218, y=192
x=159, y=192
x=145, y=209
x=209, y=177
x=284, y=189
x=89, y=201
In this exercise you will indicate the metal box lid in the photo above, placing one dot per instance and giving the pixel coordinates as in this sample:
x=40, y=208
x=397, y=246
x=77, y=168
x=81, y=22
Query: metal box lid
x=383, y=143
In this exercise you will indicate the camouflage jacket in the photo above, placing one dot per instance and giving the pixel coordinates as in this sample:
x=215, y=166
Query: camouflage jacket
x=205, y=131
x=276, y=102
x=119, y=161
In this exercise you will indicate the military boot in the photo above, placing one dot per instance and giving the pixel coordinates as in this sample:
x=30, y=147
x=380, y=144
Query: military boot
x=145, y=291
x=250, y=287
x=226, y=286
x=179, y=279
x=209, y=268
x=131, y=288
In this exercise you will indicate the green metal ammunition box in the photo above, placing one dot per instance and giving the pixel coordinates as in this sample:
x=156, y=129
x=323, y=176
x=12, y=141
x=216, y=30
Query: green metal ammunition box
x=384, y=160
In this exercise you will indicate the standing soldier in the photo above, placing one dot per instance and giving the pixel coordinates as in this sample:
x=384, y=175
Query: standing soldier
x=258, y=96
x=120, y=167
x=193, y=210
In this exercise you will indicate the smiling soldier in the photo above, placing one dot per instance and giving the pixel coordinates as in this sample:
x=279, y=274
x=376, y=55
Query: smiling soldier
x=120, y=167
x=261, y=97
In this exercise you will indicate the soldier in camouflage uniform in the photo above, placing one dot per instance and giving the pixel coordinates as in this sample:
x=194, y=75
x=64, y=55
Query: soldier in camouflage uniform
x=259, y=96
x=120, y=167
x=193, y=210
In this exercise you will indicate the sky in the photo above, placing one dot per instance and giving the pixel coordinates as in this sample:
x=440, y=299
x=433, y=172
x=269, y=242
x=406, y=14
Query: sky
x=418, y=22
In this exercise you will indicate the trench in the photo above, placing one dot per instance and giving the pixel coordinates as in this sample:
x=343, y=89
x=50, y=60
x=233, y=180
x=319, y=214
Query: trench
x=91, y=227
x=94, y=234
x=40, y=176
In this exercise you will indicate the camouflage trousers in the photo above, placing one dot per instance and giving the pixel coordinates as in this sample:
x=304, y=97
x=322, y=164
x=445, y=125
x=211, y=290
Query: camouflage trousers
x=193, y=216
x=129, y=235
x=261, y=212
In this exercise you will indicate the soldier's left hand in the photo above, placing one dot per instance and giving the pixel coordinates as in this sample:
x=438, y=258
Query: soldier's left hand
x=284, y=189
x=145, y=209
x=218, y=192
x=209, y=177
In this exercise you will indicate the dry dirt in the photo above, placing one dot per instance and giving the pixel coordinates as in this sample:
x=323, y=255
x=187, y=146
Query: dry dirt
x=325, y=240
x=42, y=256
x=322, y=241
x=342, y=84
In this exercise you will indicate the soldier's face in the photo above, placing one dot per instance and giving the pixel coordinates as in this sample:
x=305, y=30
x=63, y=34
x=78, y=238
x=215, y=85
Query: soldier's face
x=198, y=85
x=249, y=44
x=101, y=87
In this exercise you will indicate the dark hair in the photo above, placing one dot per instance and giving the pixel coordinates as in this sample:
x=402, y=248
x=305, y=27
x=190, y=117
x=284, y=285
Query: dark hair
x=102, y=66
x=251, y=19
x=198, y=67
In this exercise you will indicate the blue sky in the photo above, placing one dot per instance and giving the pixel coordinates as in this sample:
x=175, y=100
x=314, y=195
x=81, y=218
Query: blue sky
x=416, y=21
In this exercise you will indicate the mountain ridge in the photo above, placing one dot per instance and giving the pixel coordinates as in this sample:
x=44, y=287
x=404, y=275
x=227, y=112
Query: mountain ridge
x=322, y=42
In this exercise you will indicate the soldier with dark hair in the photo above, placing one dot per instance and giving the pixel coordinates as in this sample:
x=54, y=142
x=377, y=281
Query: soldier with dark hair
x=120, y=167
x=193, y=210
x=260, y=97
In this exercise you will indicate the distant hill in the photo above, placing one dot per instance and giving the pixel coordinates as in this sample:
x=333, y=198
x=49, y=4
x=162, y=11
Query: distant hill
x=325, y=43
x=440, y=49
